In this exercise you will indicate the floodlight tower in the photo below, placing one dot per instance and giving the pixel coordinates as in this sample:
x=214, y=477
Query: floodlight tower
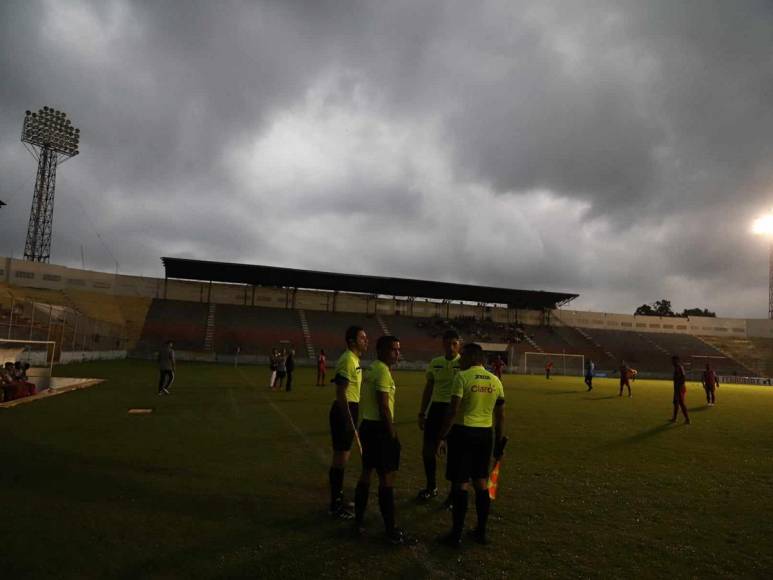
x=53, y=140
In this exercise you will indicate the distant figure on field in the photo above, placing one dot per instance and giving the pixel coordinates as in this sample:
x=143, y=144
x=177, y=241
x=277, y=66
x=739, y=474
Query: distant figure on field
x=548, y=368
x=166, y=368
x=710, y=384
x=290, y=367
x=590, y=368
x=321, y=367
x=680, y=390
x=625, y=375
x=272, y=362
x=497, y=365
x=281, y=370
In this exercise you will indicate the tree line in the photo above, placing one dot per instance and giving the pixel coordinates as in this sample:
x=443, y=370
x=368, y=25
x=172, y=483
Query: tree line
x=663, y=308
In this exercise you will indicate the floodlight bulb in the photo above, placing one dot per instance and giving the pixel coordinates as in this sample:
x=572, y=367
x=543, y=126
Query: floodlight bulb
x=763, y=225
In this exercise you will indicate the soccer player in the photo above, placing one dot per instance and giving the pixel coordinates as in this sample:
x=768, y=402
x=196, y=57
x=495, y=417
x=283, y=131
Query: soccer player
x=710, y=384
x=590, y=368
x=477, y=402
x=344, y=414
x=680, y=390
x=440, y=374
x=290, y=367
x=380, y=445
x=166, y=367
x=625, y=374
x=321, y=368
x=497, y=365
x=548, y=368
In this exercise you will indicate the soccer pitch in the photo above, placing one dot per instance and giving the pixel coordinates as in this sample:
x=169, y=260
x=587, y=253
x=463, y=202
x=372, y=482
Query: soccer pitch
x=228, y=479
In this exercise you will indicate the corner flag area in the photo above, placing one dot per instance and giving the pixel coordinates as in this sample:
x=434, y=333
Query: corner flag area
x=225, y=478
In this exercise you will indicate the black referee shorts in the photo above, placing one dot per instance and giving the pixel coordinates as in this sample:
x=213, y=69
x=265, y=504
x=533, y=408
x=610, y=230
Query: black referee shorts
x=379, y=450
x=469, y=453
x=341, y=431
x=434, y=422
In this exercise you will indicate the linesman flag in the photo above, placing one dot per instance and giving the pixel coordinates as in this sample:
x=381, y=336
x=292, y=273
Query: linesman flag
x=493, y=480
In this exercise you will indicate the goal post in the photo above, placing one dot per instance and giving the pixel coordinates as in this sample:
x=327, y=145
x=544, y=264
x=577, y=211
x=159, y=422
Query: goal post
x=39, y=354
x=563, y=363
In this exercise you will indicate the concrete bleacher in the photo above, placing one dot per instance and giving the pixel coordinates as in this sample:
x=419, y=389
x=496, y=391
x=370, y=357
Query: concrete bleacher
x=416, y=337
x=256, y=330
x=630, y=346
x=328, y=328
x=183, y=322
x=128, y=312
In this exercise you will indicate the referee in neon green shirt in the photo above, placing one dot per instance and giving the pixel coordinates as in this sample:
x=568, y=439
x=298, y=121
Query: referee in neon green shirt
x=380, y=445
x=343, y=415
x=434, y=407
x=477, y=404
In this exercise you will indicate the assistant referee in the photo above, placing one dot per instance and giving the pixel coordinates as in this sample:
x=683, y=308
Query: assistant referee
x=477, y=403
x=344, y=414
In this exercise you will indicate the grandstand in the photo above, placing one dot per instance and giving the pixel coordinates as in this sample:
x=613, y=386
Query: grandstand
x=211, y=309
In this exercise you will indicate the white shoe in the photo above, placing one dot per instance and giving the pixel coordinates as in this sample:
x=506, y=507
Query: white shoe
x=166, y=391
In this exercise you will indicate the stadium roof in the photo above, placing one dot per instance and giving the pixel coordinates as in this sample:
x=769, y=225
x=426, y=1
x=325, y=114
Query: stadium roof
x=185, y=269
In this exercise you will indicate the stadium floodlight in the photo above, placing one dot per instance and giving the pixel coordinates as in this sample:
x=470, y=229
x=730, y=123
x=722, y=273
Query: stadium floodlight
x=763, y=226
x=53, y=140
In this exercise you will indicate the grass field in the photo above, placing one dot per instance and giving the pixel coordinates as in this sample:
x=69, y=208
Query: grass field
x=227, y=479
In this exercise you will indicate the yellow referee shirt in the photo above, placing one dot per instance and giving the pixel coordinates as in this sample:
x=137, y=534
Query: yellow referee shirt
x=378, y=378
x=348, y=367
x=442, y=372
x=479, y=390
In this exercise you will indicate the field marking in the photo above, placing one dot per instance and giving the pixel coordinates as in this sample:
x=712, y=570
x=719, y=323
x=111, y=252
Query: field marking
x=324, y=458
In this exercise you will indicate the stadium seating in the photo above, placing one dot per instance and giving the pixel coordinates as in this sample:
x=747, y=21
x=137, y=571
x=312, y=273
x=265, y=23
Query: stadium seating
x=256, y=330
x=327, y=330
x=416, y=337
x=183, y=322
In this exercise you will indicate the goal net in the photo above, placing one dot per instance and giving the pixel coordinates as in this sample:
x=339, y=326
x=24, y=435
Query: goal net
x=534, y=363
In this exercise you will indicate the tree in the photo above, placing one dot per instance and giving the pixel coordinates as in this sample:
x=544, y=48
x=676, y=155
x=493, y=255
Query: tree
x=657, y=308
x=644, y=310
x=663, y=308
x=698, y=312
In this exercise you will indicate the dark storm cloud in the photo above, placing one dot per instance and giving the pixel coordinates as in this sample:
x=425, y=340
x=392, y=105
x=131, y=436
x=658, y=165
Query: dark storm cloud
x=615, y=149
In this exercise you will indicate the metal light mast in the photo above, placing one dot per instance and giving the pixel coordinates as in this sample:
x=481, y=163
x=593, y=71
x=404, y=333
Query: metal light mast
x=54, y=140
x=770, y=282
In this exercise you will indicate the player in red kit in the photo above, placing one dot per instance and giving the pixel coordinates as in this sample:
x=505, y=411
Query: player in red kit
x=625, y=375
x=680, y=390
x=710, y=384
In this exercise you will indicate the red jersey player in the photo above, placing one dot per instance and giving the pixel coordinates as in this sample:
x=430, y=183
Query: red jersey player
x=680, y=390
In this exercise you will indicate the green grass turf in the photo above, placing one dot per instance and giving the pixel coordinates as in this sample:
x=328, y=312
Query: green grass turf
x=227, y=479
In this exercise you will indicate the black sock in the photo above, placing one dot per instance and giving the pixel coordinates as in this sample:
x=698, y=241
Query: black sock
x=460, y=511
x=482, y=505
x=360, y=500
x=430, y=466
x=386, y=502
x=336, y=486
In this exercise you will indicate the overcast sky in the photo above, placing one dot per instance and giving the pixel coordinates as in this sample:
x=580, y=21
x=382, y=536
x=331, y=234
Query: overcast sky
x=619, y=150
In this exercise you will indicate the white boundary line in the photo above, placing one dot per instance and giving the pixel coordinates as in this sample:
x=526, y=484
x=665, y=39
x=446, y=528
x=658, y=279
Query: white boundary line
x=325, y=459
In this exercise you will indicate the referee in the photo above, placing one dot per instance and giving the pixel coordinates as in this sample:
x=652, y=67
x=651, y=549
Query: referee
x=477, y=402
x=380, y=445
x=434, y=408
x=343, y=415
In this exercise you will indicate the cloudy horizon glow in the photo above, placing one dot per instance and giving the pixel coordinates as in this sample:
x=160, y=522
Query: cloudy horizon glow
x=618, y=150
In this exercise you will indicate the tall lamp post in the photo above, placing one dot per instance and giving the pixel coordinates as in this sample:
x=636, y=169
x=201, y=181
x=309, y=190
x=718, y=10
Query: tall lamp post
x=763, y=226
x=52, y=140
